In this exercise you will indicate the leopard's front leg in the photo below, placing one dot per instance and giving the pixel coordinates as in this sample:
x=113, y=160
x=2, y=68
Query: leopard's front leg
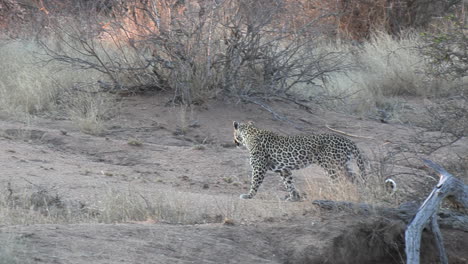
x=293, y=195
x=258, y=174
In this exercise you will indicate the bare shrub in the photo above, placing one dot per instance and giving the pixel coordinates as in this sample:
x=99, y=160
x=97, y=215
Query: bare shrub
x=92, y=47
x=37, y=206
x=446, y=46
x=197, y=50
x=360, y=18
x=449, y=115
x=445, y=125
x=445, y=50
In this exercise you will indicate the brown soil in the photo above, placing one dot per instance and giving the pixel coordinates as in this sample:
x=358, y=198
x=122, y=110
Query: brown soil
x=151, y=149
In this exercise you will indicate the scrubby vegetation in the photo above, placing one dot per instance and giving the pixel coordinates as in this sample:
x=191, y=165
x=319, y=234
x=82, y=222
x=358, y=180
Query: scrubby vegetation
x=254, y=51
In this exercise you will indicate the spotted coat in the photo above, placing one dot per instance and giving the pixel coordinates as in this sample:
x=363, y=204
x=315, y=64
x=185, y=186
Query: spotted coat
x=282, y=154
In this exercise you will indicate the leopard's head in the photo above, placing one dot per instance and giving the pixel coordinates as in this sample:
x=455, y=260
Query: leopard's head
x=241, y=132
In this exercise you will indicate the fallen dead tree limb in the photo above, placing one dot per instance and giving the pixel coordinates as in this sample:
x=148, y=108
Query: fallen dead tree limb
x=448, y=187
x=406, y=212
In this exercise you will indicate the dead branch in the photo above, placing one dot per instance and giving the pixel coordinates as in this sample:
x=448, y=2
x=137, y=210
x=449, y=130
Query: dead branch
x=405, y=213
x=346, y=134
x=271, y=110
x=448, y=187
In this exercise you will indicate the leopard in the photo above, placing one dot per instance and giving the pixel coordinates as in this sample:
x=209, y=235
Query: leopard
x=270, y=151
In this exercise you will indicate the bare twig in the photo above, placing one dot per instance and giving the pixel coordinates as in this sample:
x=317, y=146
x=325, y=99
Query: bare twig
x=346, y=134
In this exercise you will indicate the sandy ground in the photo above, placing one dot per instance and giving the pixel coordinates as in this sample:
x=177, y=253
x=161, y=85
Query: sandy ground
x=186, y=158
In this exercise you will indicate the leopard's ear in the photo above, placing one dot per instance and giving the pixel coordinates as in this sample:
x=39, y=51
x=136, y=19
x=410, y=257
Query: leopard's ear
x=250, y=122
x=235, y=124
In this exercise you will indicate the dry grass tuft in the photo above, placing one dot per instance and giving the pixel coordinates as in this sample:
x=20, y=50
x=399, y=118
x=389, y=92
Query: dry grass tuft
x=394, y=66
x=30, y=86
x=371, y=190
x=340, y=189
x=36, y=206
x=385, y=69
x=25, y=87
x=89, y=109
x=189, y=208
x=46, y=206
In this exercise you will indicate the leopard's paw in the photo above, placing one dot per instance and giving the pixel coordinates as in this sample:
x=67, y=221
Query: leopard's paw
x=293, y=197
x=246, y=196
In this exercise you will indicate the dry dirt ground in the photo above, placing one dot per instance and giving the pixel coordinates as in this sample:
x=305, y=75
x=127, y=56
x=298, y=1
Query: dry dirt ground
x=183, y=162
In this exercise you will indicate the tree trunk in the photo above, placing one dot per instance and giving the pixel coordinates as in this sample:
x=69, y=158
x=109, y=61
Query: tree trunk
x=448, y=187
